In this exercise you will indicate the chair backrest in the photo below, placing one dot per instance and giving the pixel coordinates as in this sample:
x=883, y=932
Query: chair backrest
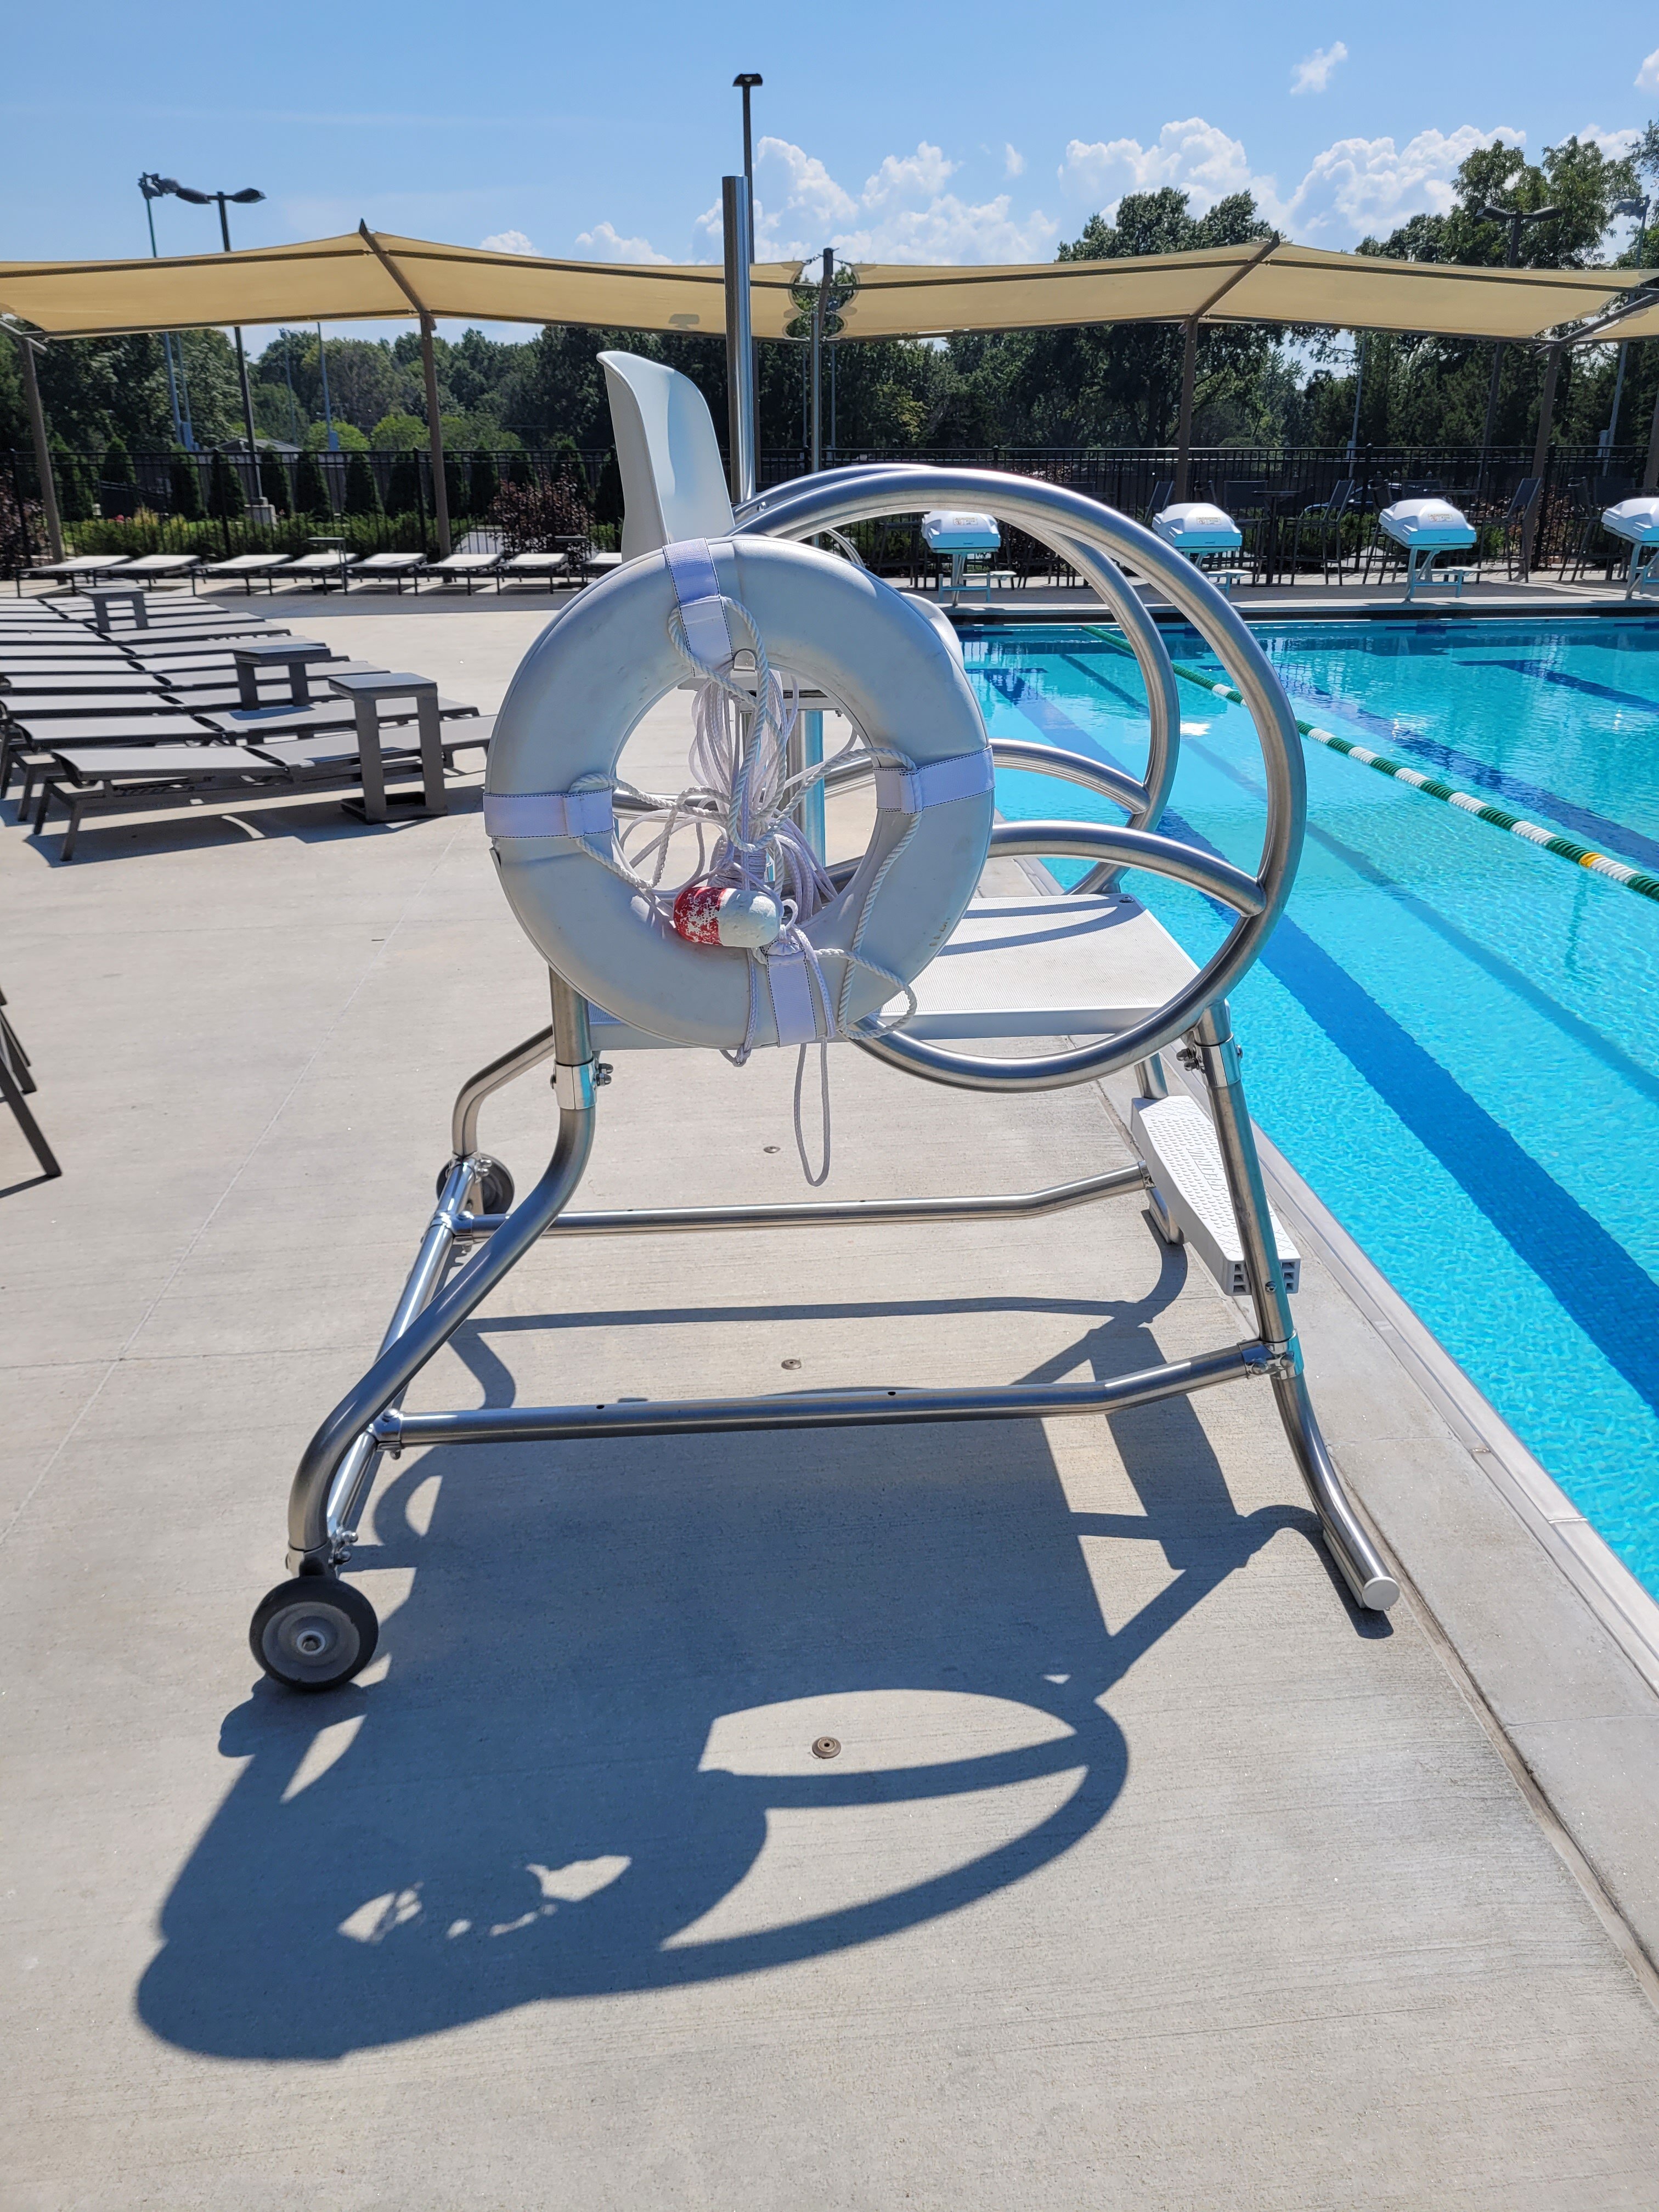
x=1341, y=493
x=1162, y=492
x=673, y=478
x=1523, y=497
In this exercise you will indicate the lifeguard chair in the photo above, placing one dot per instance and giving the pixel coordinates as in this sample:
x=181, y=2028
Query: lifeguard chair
x=894, y=952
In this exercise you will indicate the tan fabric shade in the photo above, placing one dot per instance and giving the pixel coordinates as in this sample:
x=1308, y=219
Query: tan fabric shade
x=1290, y=284
x=344, y=279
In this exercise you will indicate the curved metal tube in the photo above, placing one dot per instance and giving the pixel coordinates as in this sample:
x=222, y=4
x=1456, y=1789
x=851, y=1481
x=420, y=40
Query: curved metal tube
x=1095, y=534
x=1066, y=518
x=1121, y=848
x=774, y=514
x=1071, y=768
x=403, y=1358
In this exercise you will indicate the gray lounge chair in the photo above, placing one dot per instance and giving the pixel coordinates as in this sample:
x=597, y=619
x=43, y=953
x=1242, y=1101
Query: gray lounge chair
x=250, y=568
x=399, y=569
x=322, y=571
x=152, y=568
x=530, y=567
x=468, y=569
x=85, y=774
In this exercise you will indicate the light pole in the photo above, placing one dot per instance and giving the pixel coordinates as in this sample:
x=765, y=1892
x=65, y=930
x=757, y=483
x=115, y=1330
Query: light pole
x=746, y=84
x=1515, y=217
x=154, y=188
x=1610, y=434
x=244, y=198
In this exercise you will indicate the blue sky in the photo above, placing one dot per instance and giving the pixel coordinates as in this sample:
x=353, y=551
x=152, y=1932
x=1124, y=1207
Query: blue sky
x=897, y=131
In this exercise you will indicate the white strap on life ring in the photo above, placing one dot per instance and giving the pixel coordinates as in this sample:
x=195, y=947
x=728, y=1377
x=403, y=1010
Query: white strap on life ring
x=608, y=658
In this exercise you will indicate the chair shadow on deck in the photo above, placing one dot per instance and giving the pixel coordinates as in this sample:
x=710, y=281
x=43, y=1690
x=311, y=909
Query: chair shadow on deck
x=587, y=1769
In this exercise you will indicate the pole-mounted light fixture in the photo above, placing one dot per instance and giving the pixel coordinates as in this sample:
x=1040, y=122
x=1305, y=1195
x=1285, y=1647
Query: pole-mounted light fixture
x=163, y=186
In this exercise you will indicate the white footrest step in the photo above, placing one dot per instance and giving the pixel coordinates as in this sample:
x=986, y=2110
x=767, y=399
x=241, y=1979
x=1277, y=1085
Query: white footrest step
x=1175, y=1138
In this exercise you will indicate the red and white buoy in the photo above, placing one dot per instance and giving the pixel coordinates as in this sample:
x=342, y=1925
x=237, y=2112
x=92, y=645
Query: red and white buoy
x=724, y=913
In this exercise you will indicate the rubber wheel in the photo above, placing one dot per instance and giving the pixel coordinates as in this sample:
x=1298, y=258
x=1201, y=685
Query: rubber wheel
x=314, y=1632
x=494, y=1185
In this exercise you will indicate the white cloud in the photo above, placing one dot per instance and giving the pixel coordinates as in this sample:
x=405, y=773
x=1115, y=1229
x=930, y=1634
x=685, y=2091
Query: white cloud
x=1013, y=162
x=605, y=243
x=1361, y=184
x=904, y=212
x=1647, y=77
x=1615, y=144
x=1193, y=155
x=1313, y=73
x=507, y=241
x=1354, y=185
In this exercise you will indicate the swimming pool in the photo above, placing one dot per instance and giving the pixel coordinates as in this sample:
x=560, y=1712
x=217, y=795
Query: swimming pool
x=1453, y=1031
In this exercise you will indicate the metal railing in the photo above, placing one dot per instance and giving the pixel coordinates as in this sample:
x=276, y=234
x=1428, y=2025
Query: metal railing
x=145, y=515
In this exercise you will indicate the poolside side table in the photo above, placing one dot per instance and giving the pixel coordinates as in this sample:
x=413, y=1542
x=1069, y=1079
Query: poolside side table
x=292, y=653
x=365, y=692
x=105, y=598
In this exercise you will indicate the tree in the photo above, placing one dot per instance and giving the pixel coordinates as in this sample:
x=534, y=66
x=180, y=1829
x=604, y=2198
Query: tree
x=74, y=493
x=348, y=438
x=455, y=486
x=226, y=500
x=311, y=490
x=398, y=433
x=403, y=489
x=363, y=493
x=608, y=499
x=486, y=482
x=185, y=485
x=117, y=463
x=273, y=482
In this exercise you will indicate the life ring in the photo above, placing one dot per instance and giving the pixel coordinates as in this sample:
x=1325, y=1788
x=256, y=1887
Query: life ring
x=583, y=685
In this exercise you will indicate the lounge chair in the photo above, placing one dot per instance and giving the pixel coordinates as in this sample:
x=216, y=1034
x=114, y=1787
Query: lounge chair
x=1206, y=536
x=250, y=568
x=1423, y=528
x=29, y=741
x=468, y=569
x=1323, y=523
x=82, y=564
x=85, y=774
x=154, y=566
x=399, y=569
x=16, y=1084
x=322, y=571
x=530, y=567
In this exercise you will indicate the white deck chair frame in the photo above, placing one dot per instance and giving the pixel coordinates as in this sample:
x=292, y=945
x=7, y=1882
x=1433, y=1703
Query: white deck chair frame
x=324, y=1630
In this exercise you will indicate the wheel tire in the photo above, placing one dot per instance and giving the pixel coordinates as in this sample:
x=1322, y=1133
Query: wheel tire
x=314, y=1632
x=494, y=1185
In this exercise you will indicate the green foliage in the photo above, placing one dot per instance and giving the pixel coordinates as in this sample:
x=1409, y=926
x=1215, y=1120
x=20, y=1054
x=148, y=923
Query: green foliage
x=74, y=492
x=310, y=489
x=348, y=438
x=185, y=485
x=273, y=483
x=398, y=433
x=608, y=499
x=486, y=482
x=403, y=489
x=117, y=463
x=455, y=489
x=225, y=500
x=531, y=518
x=363, y=493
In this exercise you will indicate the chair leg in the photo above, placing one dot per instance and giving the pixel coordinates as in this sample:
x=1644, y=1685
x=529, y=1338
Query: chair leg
x=11, y=1095
x=1357, y=1557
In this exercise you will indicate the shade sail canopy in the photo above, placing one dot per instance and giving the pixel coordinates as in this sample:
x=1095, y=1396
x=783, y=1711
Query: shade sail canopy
x=347, y=279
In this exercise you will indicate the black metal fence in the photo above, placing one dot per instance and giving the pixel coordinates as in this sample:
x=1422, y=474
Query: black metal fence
x=385, y=503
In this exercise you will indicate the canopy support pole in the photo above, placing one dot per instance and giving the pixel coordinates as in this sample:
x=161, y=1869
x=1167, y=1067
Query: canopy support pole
x=1189, y=360
x=1184, y=434
x=429, y=368
x=1541, y=455
x=740, y=340
x=819, y=308
x=26, y=346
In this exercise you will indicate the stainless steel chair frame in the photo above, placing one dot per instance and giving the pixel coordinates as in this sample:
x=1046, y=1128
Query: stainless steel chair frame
x=478, y=1232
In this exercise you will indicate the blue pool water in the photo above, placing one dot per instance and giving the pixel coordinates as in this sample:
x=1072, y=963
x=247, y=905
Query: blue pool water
x=1452, y=1034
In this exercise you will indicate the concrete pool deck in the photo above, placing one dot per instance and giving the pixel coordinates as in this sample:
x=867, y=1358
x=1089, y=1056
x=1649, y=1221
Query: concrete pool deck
x=1149, y=1874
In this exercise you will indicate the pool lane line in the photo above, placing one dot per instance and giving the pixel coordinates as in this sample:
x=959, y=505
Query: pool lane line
x=1565, y=849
